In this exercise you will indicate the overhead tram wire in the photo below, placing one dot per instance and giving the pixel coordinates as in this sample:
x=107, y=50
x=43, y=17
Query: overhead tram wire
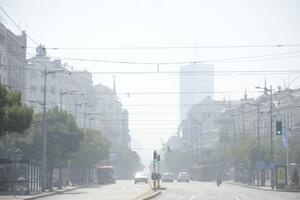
x=176, y=47
x=219, y=72
x=178, y=63
x=13, y=21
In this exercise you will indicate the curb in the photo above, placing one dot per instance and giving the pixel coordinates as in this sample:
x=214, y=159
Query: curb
x=55, y=193
x=144, y=196
x=258, y=188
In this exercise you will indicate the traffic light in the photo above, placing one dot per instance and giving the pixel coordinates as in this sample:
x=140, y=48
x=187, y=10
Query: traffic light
x=169, y=149
x=278, y=127
x=154, y=155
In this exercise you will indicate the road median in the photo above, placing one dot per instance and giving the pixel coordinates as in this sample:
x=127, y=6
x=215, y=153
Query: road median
x=147, y=195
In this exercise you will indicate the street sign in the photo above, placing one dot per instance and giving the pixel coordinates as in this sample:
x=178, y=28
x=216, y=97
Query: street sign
x=271, y=165
x=260, y=165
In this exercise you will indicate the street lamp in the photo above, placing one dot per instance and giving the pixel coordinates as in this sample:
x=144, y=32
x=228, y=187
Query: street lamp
x=258, y=136
x=271, y=131
x=44, y=154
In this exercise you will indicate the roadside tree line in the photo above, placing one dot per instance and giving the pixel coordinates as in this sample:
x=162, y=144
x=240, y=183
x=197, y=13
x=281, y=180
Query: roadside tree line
x=68, y=146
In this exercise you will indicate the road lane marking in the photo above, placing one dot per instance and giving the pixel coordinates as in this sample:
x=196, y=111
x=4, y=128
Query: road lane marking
x=236, y=198
x=193, y=197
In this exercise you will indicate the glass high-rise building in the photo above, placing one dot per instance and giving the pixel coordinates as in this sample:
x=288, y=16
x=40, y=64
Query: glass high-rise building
x=194, y=87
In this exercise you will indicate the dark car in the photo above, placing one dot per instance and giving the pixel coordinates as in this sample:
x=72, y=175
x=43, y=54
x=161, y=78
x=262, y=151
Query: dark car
x=167, y=177
x=183, y=177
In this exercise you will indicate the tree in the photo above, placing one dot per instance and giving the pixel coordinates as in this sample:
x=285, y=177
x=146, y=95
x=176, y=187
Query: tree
x=63, y=141
x=14, y=116
x=128, y=163
x=93, y=149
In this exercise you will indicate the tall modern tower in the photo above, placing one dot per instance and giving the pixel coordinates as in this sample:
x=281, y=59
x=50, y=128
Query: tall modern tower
x=194, y=87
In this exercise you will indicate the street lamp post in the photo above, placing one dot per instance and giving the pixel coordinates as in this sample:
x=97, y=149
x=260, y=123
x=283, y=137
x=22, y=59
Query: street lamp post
x=44, y=154
x=258, y=137
x=44, y=163
x=271, y=135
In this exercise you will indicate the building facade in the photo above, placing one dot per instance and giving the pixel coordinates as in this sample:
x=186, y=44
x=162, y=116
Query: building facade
x=199, y=131
x=13, y=59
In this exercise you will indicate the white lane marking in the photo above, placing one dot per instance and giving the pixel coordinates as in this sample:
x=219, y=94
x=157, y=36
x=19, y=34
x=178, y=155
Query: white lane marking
x=193, y=197
x=212, y=197
x=236, y=198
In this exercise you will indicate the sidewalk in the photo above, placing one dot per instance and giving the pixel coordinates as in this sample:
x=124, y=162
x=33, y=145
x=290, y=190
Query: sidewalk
x=266, y=188
x=39, y=195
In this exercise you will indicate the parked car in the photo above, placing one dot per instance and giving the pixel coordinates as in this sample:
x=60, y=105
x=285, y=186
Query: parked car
x=167, y=177
x=140, y=177
x=183, y=177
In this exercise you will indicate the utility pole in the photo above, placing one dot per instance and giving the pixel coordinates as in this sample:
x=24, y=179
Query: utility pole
x=243, y=120
x=84, y=118
x=234, y=129
x=44, y=158
x=234, y=144
x=271, y=138
x=258, y=141
x=201, y=143
x=197, y=143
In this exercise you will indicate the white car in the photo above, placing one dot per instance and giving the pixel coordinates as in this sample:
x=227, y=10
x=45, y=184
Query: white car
x=140, y=177
x=183, y=177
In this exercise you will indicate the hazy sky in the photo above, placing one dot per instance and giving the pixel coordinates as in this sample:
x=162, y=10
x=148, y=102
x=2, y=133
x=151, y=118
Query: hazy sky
x=142, y=23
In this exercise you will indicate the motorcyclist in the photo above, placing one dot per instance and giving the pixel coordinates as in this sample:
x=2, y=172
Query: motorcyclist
x=219, y=179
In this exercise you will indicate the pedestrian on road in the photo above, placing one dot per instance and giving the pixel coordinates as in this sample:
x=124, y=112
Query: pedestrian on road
x=219, y=179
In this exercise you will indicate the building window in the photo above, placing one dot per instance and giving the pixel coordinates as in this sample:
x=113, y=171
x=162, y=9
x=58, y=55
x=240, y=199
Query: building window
x=32, y=74
x=33, y=89
x=52, y=90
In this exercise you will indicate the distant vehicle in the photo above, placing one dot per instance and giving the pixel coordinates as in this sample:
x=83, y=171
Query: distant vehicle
x=167, y=177
x=183, y=177
x=140, y=177
x=105, y=175
x=202, y=173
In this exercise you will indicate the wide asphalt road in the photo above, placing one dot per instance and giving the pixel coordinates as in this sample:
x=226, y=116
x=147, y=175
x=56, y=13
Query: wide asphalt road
x=122, y=190
x=210, y=191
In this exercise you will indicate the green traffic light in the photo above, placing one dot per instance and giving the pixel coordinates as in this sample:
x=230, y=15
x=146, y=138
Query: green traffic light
x=278, y=127
x=279, y=133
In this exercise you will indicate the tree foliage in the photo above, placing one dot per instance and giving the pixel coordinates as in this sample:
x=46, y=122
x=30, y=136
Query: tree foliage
x=63, y=138
x=128, y=163
x=14, y=116
x=93, y=149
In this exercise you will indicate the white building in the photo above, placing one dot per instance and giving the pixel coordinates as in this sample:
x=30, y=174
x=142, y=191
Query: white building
x=12, y=59
x=67, y=89
x=35, y=76
x=199, y=131
x=113, y=123
x=196, y=83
